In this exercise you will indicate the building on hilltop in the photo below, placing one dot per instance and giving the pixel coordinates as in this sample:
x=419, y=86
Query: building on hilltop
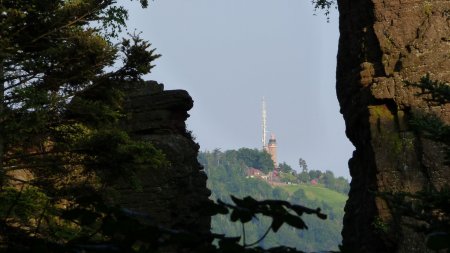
x=272, y=150
x=255, y=173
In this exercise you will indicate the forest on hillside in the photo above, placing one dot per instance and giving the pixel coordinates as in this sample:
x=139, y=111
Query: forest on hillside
x=227, y=176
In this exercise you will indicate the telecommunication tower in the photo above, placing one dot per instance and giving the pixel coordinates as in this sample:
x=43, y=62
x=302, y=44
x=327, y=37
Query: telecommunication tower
x=270, y=146
x=264, y=118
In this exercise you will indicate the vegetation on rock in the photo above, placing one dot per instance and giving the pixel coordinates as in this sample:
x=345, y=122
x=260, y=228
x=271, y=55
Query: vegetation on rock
x=430, y=205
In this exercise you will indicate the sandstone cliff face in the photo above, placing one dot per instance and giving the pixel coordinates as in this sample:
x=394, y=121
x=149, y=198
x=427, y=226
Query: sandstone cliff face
x=172, y=195
x=384, y=43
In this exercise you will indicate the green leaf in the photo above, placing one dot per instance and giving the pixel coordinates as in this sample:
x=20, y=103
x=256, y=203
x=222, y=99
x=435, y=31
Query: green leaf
x=243, y=215
x=237, y=201
x=231, y=244
x=210, y=208
x=276, y=224
x=250, y=202
x=246, y=216
x=295, y=221
x=234, y=216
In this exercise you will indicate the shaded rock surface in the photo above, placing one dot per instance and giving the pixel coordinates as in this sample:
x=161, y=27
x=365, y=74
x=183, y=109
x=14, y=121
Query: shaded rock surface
x=384, y=43
x=174, y=194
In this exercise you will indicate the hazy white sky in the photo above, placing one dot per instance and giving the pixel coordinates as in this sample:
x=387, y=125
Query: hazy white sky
x=228, y=54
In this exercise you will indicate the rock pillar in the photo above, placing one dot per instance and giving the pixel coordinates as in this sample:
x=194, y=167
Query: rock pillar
x=382, y=44
x=172, y=195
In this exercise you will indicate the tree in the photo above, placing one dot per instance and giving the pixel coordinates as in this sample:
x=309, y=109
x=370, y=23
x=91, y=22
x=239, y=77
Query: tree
x=287, y=177
x=256, y=159
x=429, y=125
x=303, y=177
x=284, y=167
x=323, y=5
x=303, y=165
x=62, y=83
x=53, y=71
x=315, y=174
x=217, y=155
x=328, y=179
x=342, y=185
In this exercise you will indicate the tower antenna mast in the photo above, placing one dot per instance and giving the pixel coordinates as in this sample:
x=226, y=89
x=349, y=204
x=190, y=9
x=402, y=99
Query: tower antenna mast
x=264, y=118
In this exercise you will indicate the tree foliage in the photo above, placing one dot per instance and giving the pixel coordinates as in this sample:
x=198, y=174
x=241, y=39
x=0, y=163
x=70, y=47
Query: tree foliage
x=303, y=165
x=324, y=5
x=62, y=83
x=256, y=159
x=286, y=168
x=429, y=125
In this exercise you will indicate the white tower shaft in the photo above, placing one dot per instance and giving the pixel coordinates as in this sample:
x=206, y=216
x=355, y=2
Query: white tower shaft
x=264, y=118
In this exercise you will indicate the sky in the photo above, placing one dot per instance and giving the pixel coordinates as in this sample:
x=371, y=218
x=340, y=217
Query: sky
x=230, y=54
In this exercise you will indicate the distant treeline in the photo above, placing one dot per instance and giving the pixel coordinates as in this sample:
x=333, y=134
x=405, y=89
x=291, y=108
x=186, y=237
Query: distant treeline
x=258, y=159
x=327, y=178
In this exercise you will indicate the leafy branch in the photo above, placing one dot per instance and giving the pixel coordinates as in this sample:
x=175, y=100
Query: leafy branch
x=324, y=5
x=246, y=209
x=428, y=124
x=439, y=91
x=129, y=231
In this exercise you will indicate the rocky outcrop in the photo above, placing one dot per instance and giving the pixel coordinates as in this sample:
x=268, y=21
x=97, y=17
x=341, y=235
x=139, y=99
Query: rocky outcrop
x=384, y=43
x=171, y=195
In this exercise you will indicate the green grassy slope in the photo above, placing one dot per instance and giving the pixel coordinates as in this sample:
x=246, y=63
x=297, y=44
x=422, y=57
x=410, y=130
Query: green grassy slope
x=319, y=193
